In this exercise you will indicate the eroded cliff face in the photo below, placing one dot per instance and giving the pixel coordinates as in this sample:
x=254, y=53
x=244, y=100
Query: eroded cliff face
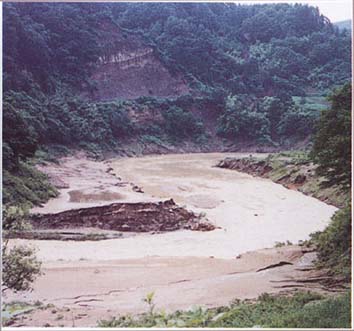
x=128, y=69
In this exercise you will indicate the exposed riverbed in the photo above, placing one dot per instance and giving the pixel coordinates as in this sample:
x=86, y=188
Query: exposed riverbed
x=252, y=214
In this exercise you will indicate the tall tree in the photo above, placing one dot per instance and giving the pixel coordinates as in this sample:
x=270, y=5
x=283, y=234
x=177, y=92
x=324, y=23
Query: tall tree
x=332, y=143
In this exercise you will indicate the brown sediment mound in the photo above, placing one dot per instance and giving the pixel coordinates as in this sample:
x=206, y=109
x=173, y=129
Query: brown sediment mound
x=55, y=180
x=133, y=217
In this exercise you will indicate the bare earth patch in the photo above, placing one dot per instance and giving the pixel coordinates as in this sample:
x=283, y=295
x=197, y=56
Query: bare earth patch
x=88, y=291
x=91, y=280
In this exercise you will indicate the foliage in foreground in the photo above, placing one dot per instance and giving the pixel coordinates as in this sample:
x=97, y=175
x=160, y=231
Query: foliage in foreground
x=26, y=186
x=334, y=244
x=303, y=310
x=10, y=310
x=20, y=266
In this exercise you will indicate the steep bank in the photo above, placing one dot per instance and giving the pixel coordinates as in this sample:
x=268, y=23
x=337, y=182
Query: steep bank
x=292, y=173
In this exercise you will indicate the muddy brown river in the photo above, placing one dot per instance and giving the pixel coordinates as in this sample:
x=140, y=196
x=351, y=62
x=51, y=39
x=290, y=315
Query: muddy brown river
x=252, y=213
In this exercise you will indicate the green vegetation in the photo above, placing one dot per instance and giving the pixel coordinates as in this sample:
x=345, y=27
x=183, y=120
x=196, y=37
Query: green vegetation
x=332, y=152
x=26, y=186
x=247, y=63
x=242, y=49
x=332, y=143
x=10, y=310
x=334, y=244
x=181, y=124
x=302, y=310
x=256, y=74
x=294, y=170
x=20, y=266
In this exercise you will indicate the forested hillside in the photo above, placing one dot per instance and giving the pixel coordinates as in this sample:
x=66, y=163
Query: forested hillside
x=102, y=82
x=95, y=76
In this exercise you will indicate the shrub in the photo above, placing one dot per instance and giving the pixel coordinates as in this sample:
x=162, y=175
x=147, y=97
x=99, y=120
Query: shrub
x=334, y=244
x=20, y=266
x=182, y=124
x=26, y=186
x=302, y=310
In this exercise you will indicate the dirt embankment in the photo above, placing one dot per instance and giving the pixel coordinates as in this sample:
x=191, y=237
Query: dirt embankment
x=300, y=176
x=88, y=223
x=133, y=217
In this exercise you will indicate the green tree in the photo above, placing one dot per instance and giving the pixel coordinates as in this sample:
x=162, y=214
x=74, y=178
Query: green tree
x=242, y=120
x=332, y=141
x=20, y=138
x=20, y=266
x=180, y=123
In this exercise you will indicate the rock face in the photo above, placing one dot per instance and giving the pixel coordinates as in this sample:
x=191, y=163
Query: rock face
x=128, y=68
x=132, y=217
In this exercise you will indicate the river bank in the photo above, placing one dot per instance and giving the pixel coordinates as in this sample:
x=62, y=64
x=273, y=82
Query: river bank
x=295, y=172
x=251, y=214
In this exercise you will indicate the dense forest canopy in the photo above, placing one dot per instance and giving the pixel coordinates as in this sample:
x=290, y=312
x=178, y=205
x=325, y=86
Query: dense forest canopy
x=262, y=49
x=255, y=73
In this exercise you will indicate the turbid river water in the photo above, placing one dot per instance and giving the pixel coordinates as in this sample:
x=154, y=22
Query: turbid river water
x=182, y=267
x=252, y=213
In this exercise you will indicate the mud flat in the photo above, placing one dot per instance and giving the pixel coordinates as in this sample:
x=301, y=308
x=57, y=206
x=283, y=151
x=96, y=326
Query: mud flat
x=98, y=279
x=89, y=290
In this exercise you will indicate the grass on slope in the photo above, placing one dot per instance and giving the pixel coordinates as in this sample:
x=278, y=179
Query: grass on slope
x=289, y=167
x=302, y=310
x=26, y=186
